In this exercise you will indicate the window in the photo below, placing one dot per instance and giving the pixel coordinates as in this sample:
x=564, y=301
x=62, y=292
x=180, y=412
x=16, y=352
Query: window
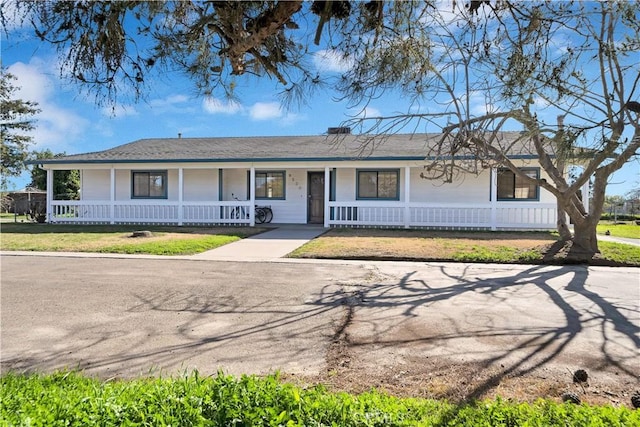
x=513, y=187
x=270, y=185
x=149, y=185
x=378, y=184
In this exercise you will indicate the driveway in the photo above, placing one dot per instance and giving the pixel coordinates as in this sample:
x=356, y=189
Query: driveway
x=351, y=324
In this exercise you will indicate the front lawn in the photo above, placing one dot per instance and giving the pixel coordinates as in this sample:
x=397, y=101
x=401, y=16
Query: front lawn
x=73, y=399
x=117, y=238
x=629, y=230
x=461, y=246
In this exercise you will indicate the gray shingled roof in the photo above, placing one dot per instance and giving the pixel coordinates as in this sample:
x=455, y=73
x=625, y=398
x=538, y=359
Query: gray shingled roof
x=275, y=148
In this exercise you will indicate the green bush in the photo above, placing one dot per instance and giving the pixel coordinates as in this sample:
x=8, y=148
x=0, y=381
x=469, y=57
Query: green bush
x=70, y=399
x=619, y=217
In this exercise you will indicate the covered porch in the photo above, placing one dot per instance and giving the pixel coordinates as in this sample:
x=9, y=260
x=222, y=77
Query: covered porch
x=331, y=195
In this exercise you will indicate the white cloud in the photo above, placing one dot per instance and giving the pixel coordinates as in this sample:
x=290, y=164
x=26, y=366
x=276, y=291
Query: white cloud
x=265, y=111
x=56, y=127
x=332, y=61
x=366, y=113
x=169, y=101
x=217, y=106
x=32, y=82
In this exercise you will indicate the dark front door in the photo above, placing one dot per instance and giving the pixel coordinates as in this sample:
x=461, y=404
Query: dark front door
x=315, y=195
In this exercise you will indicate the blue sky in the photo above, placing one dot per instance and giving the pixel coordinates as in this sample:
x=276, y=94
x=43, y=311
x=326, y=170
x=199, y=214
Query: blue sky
x=71, y=122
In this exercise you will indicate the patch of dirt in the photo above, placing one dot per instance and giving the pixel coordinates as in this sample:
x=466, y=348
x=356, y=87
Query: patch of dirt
x=417, y=244
x=349, y=368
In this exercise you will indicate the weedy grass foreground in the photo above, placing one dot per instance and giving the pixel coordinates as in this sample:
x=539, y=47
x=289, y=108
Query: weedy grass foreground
x=69, y=398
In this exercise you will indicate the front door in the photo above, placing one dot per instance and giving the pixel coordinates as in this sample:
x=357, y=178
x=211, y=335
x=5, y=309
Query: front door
x=315, y=196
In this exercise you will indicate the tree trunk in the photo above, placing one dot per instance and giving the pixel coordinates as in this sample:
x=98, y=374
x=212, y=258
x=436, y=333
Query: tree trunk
x=563, y=228
x=585, y=241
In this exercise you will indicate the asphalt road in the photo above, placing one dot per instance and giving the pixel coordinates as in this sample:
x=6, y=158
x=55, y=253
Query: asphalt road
x=127, y=317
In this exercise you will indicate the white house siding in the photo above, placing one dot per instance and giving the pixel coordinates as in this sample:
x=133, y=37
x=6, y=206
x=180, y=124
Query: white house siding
x=345, y=185
x=95, y=184
x=123, y=184
x=200, y=185
x=234, y=184
x=293, y=210
x=469, y=189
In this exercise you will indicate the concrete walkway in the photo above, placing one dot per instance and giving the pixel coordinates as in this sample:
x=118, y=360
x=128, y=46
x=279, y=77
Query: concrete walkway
x=625, y=240
x=267, y=246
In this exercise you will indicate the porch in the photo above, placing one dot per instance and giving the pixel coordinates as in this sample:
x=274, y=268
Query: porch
x=327, y=196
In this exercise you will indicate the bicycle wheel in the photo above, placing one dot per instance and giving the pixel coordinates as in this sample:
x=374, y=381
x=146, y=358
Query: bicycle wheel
x=268, y=214
x=260, y=215
x=235, y=213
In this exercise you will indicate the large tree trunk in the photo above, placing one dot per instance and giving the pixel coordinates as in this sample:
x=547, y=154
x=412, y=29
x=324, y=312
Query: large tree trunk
x=585, y=241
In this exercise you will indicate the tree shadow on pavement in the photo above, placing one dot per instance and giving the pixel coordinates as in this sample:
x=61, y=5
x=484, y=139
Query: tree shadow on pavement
x=509, y=320
x=469, y=319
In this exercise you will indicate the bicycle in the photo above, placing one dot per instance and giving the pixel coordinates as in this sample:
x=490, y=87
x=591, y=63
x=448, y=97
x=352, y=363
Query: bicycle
x=262, y=213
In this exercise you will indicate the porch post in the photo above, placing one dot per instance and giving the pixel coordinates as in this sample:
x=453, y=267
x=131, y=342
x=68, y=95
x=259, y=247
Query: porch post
x=180, y=195
x=494, y=199
x=50, y=215
x=252, y=196
x=407, y=196
x=327, y=193
x=112, y=195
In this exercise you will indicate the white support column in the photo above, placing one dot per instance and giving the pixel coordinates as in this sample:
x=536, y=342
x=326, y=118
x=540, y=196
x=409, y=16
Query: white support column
x=252, y=196
x=180, y=195
x=585, y=196
x=407, y=196
x=327, y=193
x=50, y=195
x=494, y=198
x=112, y=195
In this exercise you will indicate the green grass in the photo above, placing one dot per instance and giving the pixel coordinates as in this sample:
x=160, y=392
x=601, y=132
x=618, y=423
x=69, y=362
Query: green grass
x=71, y=399
x=116, y=239
x=619, y=252
x=628, y=229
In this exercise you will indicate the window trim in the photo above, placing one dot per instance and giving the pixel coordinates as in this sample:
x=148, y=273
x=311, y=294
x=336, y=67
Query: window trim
x=165, y=182
x=515, y=199
x=284, y=183
x=397, y=172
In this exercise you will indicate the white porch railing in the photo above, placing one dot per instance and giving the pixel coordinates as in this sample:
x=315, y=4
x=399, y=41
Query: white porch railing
x=148, y=212
x=502, y=215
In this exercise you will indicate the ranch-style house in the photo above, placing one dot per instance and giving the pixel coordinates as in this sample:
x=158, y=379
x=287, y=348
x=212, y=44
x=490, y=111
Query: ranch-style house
x=331, y=180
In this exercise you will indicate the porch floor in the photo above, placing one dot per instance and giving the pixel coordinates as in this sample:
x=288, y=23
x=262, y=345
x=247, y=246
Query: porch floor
x=267, y=246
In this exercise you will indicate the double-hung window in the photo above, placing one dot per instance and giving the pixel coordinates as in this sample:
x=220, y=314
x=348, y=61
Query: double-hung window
x=149, y=184
x=270, y=185
x=378, y=184
x=514, y=187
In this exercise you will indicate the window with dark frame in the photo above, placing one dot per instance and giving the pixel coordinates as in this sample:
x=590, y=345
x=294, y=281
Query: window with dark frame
x=270, y=185
x=149, y=184
x=378, y=184
x=513, y=187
